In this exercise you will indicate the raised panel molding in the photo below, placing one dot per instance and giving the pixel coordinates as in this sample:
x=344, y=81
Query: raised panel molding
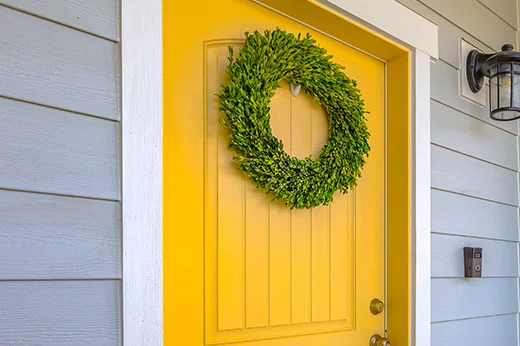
x=264, y=262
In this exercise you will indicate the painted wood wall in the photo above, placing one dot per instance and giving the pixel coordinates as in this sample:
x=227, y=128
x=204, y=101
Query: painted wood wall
x=60, y=229
x=474, y=184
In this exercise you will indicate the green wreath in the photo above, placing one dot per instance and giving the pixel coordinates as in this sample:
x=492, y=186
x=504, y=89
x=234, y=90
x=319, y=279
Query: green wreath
x=261, y=64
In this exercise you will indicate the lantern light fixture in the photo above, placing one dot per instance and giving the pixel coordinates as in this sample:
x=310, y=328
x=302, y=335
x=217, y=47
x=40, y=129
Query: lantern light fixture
x=503, y=71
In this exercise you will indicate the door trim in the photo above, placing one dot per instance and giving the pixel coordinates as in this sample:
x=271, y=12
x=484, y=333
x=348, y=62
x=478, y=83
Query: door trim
x=141, y=92
x=421, y=201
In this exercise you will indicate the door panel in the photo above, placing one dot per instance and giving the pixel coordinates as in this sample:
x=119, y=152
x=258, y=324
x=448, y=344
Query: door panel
x=271, y=275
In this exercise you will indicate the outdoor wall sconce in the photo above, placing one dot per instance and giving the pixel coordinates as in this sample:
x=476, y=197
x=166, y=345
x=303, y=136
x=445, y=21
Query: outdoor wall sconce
x=503, y=71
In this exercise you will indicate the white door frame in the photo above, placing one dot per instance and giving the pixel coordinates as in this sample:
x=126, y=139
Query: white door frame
x=141, y=72
x=141, y=122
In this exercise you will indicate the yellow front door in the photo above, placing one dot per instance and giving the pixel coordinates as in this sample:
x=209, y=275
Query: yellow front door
x=240, y=269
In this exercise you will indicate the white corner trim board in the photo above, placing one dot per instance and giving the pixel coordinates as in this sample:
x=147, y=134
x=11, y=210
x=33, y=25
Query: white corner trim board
x=141, y=121
x=391, y=19
x=421, y=201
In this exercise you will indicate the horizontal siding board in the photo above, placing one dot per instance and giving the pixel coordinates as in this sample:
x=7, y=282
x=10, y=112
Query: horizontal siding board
x=475, y=18
x=54, y=237
x=505, y=9
x=454, y=299
x=455, y=172
x=487, y=331
x=500, y=258
x=46, y=150
x=60, y=313
x=449, y=34
x=99, y=17
x=460, y=132
x=456, y=214
x=53, y=65
x=445, y=89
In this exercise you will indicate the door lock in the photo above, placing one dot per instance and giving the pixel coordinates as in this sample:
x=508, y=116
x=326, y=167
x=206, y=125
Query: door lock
x=378, y=340
x=376, y=306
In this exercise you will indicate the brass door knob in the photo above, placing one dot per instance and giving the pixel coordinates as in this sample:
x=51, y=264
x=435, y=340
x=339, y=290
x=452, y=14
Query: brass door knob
x=378, y=340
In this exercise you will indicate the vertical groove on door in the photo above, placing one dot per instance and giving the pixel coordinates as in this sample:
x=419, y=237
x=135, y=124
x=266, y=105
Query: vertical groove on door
x=320, y=230
x=244, y=258
x=280, y=223
x=301, y=218
x=268, y=264
x=320, y=264
x=340, y=251
x=257, y=251
x=230, y=248
x=330, y=257
x=289, y=149
x=212, y=81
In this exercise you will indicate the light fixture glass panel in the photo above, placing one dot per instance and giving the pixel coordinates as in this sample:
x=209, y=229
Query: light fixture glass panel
x=516, y=90
x=504, y=90
x=493, y=93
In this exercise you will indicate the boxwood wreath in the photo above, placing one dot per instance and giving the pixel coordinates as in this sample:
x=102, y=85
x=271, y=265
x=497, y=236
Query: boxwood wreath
x=254, y=75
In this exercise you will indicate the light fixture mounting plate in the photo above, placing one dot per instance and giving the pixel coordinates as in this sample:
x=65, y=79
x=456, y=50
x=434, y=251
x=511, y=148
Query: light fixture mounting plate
x=475, y=78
